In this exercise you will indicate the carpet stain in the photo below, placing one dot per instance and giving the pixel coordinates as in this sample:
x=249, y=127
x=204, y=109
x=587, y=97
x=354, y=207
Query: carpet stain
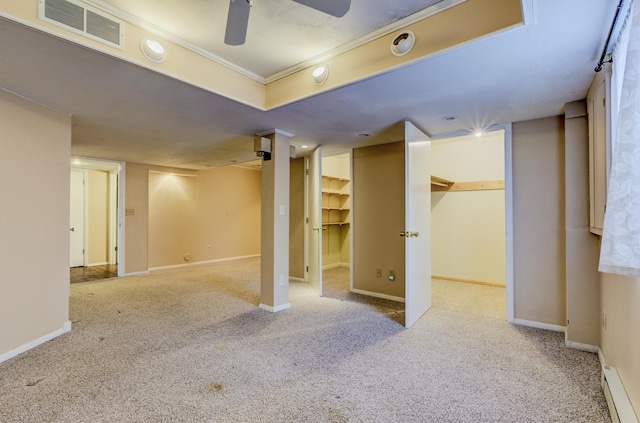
x=215, y=387
x=34, y=382
x=222, y=347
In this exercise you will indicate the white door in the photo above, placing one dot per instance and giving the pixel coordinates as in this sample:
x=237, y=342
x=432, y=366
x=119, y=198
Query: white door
x=76, y=219
x=417, y=230
x=314, y=225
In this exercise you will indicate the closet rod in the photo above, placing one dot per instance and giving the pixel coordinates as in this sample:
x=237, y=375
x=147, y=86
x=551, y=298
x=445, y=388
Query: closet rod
x=606, y=45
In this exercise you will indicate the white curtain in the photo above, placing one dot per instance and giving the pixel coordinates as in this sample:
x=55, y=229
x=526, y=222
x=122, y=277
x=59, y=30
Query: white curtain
x=620, y=251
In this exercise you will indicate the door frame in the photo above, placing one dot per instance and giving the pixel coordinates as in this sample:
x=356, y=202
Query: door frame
x=109, y=165
x=85, y=202
x=508, y=203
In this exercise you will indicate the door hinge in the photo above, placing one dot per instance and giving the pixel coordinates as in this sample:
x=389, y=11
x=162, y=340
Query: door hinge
x=307, y=268
x=307, y=220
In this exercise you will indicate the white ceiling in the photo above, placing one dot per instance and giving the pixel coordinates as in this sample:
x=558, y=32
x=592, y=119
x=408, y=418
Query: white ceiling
x=124, y=112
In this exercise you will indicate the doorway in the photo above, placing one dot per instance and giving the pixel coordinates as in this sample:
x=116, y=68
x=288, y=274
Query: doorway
x=470, y=220
x=95, y=220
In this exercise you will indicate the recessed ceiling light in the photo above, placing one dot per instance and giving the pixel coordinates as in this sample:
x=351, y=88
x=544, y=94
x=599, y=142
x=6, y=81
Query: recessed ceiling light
x=304, y=147
x=403, y=43
x=449, y=118
x=363, y=135
x=478, y=134
x=320, y=74
x=152, y=50
x=76, y=162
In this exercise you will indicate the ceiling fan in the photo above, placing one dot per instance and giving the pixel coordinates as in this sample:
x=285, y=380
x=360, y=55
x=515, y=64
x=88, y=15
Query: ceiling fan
x=238, y=18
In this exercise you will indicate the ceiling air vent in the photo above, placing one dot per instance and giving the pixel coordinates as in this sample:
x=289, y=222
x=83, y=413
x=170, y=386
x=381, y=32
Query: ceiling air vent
x=83, y=19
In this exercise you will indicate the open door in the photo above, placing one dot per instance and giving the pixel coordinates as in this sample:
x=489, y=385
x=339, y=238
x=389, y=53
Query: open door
x=417, y=232
x=76, y=219
x=314, y=224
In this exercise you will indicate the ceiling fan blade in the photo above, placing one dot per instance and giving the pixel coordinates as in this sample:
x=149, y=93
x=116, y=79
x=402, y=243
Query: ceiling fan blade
x=337, y=8
x=237, y=22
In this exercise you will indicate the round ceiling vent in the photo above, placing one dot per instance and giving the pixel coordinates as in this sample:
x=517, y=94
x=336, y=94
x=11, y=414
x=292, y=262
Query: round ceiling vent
x=403, y=43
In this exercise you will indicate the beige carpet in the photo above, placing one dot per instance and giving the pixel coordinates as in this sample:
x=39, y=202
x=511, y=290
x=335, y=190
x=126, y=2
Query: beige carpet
x=191, y=346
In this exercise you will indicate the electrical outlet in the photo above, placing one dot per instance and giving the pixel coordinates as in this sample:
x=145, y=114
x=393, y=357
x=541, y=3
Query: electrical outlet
x=281, y=280
x=392, y=275
x=378, y=273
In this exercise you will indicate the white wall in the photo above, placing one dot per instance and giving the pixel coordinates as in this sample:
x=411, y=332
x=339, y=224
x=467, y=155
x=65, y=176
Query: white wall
x=468, y=227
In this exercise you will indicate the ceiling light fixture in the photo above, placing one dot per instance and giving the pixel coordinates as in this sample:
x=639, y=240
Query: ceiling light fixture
x=304, y=147
x=320, y=74
x=449, y=118
x=153, y=50
x=403, y=43
x=478, y=134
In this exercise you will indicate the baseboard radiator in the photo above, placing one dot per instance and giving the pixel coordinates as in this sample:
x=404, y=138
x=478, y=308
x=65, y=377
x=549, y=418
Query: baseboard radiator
x=616, y=396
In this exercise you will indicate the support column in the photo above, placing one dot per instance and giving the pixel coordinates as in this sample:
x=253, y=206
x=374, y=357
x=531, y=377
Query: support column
x=274, y=267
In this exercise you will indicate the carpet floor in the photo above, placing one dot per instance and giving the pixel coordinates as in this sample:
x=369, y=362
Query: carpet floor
x=190, y=345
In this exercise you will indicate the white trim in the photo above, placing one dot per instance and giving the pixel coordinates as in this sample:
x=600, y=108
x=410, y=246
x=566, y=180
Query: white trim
x=581, y=347
x=173, y=266
x=275, y=131
x=274, y=309
x=66, y=327
x=539, y=325
x=293, y=278
x=112, y=239
x=508, y=204
x=104, y=263
x=529, y=15
x=622, y=411
x=352, y=219
x=143, y=272
x=378, y=295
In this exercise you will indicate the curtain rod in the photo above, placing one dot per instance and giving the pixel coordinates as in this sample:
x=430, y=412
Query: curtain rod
x=604, y=49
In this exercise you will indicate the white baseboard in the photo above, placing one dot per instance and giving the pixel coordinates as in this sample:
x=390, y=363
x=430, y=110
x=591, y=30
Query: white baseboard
x=173, y=266
x=66, y=327
x=274, y=309
x=615, y=393
x=539, y=325
x=292, y=278
x=378, y=295
x=98, y=264
x=581, y=347
x=144, y=272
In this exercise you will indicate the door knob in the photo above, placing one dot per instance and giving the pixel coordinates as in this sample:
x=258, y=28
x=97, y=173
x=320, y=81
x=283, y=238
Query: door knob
x=72, y=229
x=404, y=233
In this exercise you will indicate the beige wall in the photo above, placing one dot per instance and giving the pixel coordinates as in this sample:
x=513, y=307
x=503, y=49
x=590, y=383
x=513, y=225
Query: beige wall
x=215, y=215
x=34, y=221
x=378, y=217
x=98, y=214
x=296, y=218
x=583, y=293
x=468, y=227
x=228, y=213
x=619, y=340
x=172, y=219
x=137, y=225
x=538, y=220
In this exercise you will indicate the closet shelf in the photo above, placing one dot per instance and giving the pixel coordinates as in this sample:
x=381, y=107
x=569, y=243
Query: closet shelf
x=335, y=223
x=335, y=208
x=334, y=178
x=440, y=184
x=332, y=192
